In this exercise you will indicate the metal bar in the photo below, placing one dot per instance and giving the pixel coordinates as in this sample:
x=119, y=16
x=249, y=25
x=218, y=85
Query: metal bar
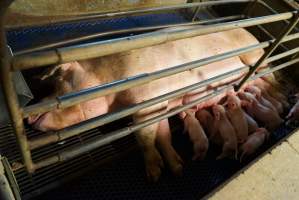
x=282, y=55
x=109, y=117
x=6, y=192
x=11, y=100
x=117, y=86
x=273, y=69
x=54, y=137
x=88, y=94
x=250, y=7
x=195, y=14
x=96, y=15
x=270, y=50
x=114, y=32
x=106, y=139
x=110, y=137
x=97, y=49
x=271, y=10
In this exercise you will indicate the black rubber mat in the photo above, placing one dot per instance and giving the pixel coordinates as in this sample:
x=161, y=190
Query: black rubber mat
x=126, y=179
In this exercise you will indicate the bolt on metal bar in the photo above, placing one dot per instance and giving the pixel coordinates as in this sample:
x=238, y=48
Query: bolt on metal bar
x=114, y=32
x=109, y=117
x=115, y=135
x=270, y=50
x=91, y=93
x=117, y=86
x=96, y=15
x=10, y=95
x=97, y=49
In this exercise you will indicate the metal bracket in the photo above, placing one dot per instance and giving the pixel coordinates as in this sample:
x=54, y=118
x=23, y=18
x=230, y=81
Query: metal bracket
x=271, y=49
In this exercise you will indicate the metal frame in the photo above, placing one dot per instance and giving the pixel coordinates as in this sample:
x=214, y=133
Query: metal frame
x=66, y=54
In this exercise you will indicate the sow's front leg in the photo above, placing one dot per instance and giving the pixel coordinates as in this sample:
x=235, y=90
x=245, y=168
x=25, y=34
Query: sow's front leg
x=171, y=157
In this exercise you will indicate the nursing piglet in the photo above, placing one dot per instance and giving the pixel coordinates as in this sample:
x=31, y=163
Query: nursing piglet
x=258, y=95
x=227, y=132
x=197, y=136
x=258, y=111
x=253, y=142
x=237, y=117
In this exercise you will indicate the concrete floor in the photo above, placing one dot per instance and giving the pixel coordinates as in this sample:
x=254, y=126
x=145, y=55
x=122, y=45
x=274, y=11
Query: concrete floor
x=274, y=175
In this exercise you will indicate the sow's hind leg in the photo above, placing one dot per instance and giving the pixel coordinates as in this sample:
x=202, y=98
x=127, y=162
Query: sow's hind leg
x=146, y=138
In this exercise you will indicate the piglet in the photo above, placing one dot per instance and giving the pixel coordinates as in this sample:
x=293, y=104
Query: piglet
x=294, y=113
x=227, y=132
x=258, y=111
x=253, y=142
x=237, y=117
x=252, y=125
x=197, y=136
x=258, y=95
x=207, y=121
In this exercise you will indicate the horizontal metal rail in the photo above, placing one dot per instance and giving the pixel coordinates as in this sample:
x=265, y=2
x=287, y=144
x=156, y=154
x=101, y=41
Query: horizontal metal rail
x=271, y=49
x=283, y=55
x=122, y=31
x=109, y=117
x=71, y=131
x=97, y=49
x=97, y=15
x=115, y=135
x=91, y=93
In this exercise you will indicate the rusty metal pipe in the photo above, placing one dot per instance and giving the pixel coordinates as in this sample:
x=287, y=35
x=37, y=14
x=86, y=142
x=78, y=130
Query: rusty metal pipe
x=115, y=135
x=117, y=86
x=114, y=32
x=96, y=15
x=10, y=94
x=88, y=94
x=271, y=49
x=97, y=49
x=109, y=117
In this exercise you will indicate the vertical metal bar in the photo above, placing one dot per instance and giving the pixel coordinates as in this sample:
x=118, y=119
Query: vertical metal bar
x=195, y=13
x=7, y=85
x=249, y=8
x=5, y=190
x=271, y=49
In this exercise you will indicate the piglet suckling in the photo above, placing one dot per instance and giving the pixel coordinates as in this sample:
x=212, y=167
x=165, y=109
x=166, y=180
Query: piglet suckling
x=258, y=95
x=268, y=92
x=252, y=125
x=227, y=132
x=207, y=121
x=263, y=114
x=197, y=136
x=237, y=117
x=253, y=142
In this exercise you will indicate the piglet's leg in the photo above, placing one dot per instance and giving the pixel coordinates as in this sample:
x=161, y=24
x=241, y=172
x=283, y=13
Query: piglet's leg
x=146, y=139
x=173, y=160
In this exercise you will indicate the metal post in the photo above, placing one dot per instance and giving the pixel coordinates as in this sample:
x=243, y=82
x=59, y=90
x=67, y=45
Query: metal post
x=5, y=190
x=270, y=50
x=10, y=92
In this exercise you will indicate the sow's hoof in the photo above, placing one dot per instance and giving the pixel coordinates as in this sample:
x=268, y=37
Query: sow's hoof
x=153, y=165
x=176, y=164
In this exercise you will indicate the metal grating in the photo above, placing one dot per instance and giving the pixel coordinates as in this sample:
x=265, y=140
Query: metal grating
x=125, y=179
